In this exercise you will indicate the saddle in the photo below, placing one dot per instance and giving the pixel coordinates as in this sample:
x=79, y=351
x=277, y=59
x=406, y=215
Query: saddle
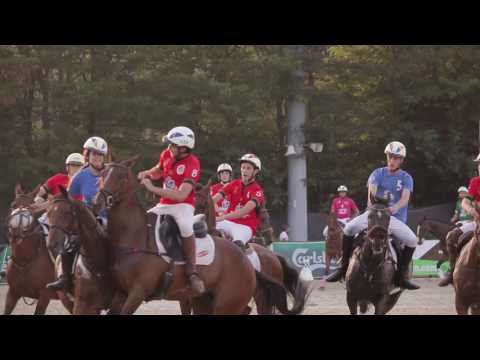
x=169, y=234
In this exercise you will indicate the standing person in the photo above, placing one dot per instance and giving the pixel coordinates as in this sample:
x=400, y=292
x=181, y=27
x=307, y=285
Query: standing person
x=343, y=207
x=396, y=185
x=224, y=172
x=284, y=234
x=181, y=171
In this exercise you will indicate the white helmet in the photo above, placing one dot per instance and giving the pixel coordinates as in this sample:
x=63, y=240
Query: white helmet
x=342, y=188
x=75, y=159
x=252, y=159
x=96, y=143
x=224, y=167
x=462, y=189
x=181, y=136
x=396, y=148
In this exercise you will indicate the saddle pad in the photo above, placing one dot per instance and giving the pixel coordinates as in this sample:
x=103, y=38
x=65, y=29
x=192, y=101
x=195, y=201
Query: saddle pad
x=255, y=260
x=205, y=248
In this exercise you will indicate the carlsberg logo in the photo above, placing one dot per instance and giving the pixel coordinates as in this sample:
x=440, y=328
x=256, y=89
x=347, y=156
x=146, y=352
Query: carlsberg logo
x=300, y=257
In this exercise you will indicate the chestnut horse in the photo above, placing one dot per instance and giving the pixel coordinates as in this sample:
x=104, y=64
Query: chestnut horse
x=334, y=241
x=139, y=270
x=72, y=221
x=30, y=267
x=466, y=276
x=272, y=265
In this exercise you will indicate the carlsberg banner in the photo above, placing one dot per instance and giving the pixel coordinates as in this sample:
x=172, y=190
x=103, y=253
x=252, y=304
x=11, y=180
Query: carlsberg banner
x=298, y=253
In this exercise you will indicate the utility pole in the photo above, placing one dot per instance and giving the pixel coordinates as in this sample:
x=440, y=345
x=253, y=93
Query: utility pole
x=297, y=163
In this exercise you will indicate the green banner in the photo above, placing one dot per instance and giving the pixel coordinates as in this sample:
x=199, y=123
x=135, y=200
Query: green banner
x=297, y=253
x=4, y=256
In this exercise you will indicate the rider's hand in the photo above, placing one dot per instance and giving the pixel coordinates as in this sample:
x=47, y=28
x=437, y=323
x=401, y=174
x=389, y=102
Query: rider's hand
x=143, y=174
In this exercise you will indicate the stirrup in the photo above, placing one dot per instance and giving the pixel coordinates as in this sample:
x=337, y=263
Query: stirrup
x=59, y=284
x=335, y=277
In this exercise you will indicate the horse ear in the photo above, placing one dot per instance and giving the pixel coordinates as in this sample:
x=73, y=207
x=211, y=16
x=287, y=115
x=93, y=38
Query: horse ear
x=19, y=189
x=35, y=191
x=113, y=157
x=131, y=162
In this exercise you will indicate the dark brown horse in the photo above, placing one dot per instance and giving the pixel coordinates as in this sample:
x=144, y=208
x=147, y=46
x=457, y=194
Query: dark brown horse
x=334, y=241
x=273, y=265
x=139, y=270
x=30, y=267
x=370, y=275
x=439, y=230
x=466, y=276
x=72, y=221
x=265, y=235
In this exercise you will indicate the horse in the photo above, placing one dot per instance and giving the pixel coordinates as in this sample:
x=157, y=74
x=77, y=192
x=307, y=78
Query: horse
x=439, y=230
x=466, y=276
x=30, y=267
x=334, y=241
x=142, y=273
x=265, y=235
x=371, y=273
x=273, y=265
x=70, y=220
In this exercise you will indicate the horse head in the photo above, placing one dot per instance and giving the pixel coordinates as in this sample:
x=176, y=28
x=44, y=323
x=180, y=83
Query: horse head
x=265, y=226
x=116, y=181
x=378, y=224
x=21, y=220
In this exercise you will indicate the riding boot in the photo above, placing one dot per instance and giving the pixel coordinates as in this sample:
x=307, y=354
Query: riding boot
x=347, y=248
x=64, y=281
x=404, y=267
x=195, y=281
x=452, y=245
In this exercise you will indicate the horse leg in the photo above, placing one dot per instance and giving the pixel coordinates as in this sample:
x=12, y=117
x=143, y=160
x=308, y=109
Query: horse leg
x=381, y=305
x=117, y=303
x=352, y=304
x=43, y=301
x=10, y=302
x=134, y=299
x=263, y=308
x=460, y=306
x=186, y=306
x=328, y=259
x=202, y=306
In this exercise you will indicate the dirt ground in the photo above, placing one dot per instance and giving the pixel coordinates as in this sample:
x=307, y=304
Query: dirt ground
x=429, y=300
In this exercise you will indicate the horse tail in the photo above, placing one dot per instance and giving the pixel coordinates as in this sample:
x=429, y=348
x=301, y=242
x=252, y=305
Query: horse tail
x=290, y=276
x=275, y=294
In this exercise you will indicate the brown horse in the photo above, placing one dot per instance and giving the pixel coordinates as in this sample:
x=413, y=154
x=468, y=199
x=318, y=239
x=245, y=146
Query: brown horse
x=30, y=268
x=440, y=230
x=466, y=276
x=139, y=269
x=334, y=241
x=72, y=221
x=272, y=265
x=370, y=275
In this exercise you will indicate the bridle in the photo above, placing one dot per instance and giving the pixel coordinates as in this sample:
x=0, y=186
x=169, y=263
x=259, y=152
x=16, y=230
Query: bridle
x=113, y=199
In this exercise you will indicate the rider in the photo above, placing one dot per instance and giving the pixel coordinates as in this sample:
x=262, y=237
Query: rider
x=461, y=217
x=51, y=187
x=454, y=237
x=84, y=187
x=247, y=197
x=343, y=207
x=224, y=172
x=181, y=171
x=396, y=185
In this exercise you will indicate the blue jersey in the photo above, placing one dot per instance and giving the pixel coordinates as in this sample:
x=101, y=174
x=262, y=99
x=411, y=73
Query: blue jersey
x=84, y=187
x=391, y=186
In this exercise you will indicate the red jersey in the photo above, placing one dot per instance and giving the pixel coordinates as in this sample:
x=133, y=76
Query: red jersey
x=240, y=195
x=176, y=173
x=224, y=204
x=343, y=207
x=52, y=185
x=165, y=162
x=474, y=189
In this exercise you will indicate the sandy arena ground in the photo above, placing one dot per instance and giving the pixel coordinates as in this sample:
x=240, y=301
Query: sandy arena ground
x=429, y=300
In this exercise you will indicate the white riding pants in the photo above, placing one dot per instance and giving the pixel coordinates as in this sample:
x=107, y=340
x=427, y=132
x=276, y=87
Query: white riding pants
x=182, y=213
x=236, y=231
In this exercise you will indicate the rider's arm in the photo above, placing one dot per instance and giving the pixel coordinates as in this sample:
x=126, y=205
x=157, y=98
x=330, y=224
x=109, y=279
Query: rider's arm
x=467, y=205
x=249, y=206
x=175, y=195
x=403, y=201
